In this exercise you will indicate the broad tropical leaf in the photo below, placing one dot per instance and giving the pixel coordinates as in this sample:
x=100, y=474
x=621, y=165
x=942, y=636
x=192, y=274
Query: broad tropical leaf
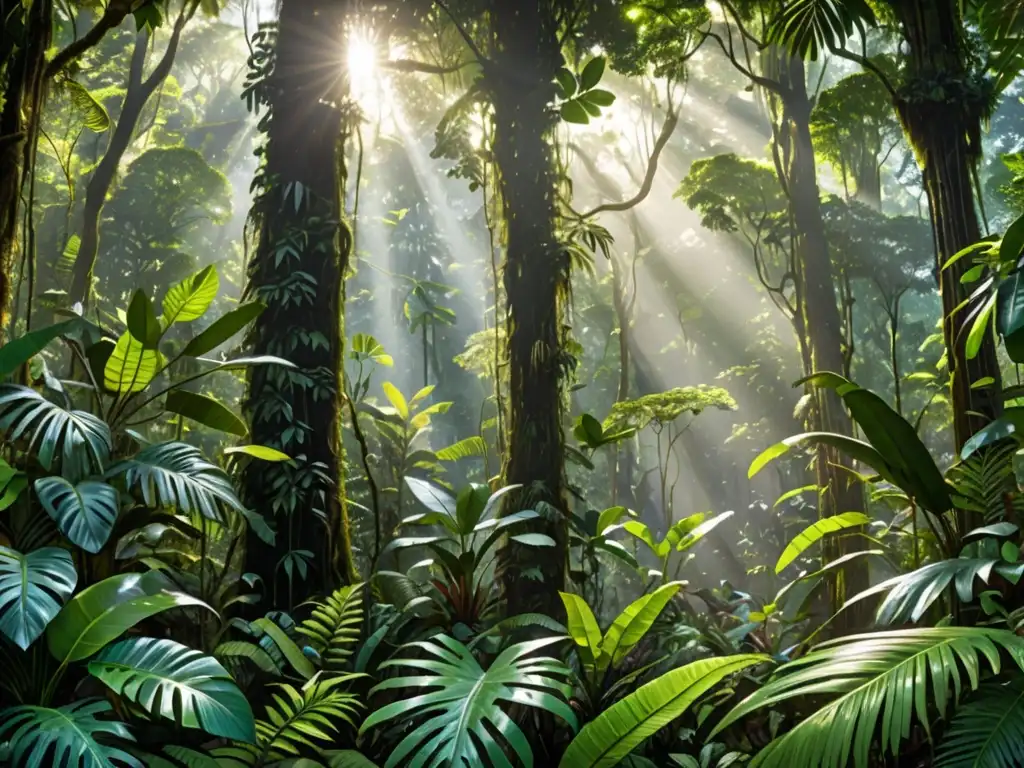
x=988, y=730
x=80, y=439
x=98, y=615
x=232, y=651
x=176, y=475
x=607, y=740
x=189, y=299
x=817, y=531
x=84, y=513
x=583, y=628
x=32, y=589
x=463, y=449
x=18, y=351
x=333, y=629
x=459, y=710
x=65, y=736
x=262, y=452
x=131, y=366
x=223, y=328
x=633, y=623
x=206, y=411
x=287, y=647
x=175, y=682
x=348, y=758
x=879, y=684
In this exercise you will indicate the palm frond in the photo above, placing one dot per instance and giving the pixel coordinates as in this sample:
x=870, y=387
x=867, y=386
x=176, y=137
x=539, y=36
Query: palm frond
x=334, y=627
x=456, y=719
x=807, y=27
x=988, y=730
x=80, y=439
x=909, y=595
x=879, y=685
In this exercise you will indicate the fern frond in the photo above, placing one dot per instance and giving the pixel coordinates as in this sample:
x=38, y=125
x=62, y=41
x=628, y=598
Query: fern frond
x=334, y=628
x=984, y=483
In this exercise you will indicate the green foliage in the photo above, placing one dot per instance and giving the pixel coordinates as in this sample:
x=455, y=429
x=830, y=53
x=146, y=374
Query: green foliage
x=886, y=679
x=580, y=98
x=84, y=513
x=986, y=731
x=334, y=627
x=172, y=681
x=616, y=732
x=32, y=589
x=664, y=407
x=817, y=531
x=461, y=702
x=70, y=732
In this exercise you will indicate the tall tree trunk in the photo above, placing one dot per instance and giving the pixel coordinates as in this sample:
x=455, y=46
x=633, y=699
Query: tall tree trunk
x=823, y=325
x=942, y=103
x=137, y=95
x=298, y=272
x=535, y=279
x=24, y=59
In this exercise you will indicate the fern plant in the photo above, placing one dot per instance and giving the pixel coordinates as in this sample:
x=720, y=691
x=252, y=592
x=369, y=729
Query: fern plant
x=334, y=627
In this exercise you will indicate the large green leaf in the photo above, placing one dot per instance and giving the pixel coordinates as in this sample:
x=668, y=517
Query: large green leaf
x=206, y=411
x=131, y=366
x=896, y=440
x=85, y=513
x=876, y=686
x=32, y=589
x=223, y=328
x=175, y=682
x=988, y=730
x=287, y=646
x=98, y=615
x=463, y=449
x=583, y=628
x=1010, y=304
x=607, y=740
x=857, y=449
x=176, y=475
x=806, y=27
x=65, y=737
x=456, y=703
x=82, y=440
x=20, y=350
x=142, y=321
x=815, y=532
x=633, y=623
x=189, y=299
x=1009, y=424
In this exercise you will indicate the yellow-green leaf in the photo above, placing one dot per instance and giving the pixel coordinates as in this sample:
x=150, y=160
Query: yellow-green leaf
x=817, y=531
x=582, y=628
x=130, y=367
x=190, y=298
x=397, y=399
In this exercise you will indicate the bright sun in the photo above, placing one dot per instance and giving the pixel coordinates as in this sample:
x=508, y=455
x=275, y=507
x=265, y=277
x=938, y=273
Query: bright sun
x=362, y=59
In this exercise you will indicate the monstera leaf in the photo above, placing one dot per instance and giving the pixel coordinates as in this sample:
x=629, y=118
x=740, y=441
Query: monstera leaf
x=85, y=513
x=66, y=736
x=176, y=475
x=32, y=589
x=173, y=681
x=457, y=703
x=80, y=439
x=100, y=614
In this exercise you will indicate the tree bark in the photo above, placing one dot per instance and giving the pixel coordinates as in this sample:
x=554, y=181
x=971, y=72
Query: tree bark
x=942, y=103
x=298, y=272
x=823, y=325
x=535, y=279
x=22, y=102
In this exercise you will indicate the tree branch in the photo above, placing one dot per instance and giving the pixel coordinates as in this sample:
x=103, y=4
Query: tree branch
x=410, y=65
x=463, y=33
x=112, y=17
x=669, y=126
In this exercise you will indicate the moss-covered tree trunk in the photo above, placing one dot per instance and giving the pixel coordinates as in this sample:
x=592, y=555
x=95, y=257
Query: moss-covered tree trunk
x=24, y=38
x=942, y=102
x=298, y=272
x=822, y=321
x=536, y=274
